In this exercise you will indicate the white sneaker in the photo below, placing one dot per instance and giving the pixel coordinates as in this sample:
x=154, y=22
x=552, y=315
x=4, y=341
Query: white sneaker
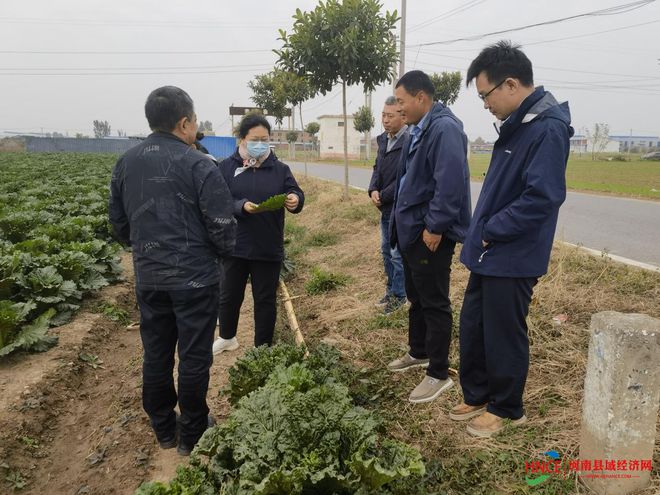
x=224, y=345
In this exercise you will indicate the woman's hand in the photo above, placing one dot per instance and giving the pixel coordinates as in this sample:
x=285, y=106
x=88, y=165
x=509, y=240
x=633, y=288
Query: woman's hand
x=249, y=207
x=291, y=202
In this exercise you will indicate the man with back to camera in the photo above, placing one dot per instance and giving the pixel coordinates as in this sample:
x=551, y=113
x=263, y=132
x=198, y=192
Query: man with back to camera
x=431, y=214
x=381, y=191
x=172, y=205
x=508, y=244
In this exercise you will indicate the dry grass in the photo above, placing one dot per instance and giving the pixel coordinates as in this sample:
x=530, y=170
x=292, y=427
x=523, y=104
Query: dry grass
x=576, y=285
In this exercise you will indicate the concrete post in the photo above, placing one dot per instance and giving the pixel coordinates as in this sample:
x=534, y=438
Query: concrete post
x=621, y=396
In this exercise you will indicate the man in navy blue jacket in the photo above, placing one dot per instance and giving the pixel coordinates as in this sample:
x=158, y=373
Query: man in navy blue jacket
x=508, y=244
x=431, y=214
x=381, y=191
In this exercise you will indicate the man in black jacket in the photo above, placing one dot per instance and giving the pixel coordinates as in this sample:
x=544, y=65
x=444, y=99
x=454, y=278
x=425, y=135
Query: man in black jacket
x=172, y=205
x=381, y=192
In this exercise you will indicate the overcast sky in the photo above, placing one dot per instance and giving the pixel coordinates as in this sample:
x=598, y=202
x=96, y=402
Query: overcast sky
x=65, y=63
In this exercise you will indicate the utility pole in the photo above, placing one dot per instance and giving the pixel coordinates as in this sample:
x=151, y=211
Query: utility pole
x=402, y=49
x=367, y=135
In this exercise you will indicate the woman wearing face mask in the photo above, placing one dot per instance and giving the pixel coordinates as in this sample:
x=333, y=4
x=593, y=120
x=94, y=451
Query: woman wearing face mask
x=254, y=174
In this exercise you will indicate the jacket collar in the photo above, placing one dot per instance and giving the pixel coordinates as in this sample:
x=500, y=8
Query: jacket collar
x=519, y=115
x=167, y=135
x=268, y=162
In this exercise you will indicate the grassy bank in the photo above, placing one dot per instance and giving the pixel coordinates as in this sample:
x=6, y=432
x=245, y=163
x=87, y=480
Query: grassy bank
x=335, y=245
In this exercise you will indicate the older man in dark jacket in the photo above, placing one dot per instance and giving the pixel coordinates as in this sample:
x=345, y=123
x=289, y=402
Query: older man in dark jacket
x=508, y=244
x=431, y=214
x=172, y=205
x=381, y=191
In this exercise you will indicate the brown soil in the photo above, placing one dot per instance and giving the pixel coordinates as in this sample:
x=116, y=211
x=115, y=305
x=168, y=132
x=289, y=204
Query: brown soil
x=71, y=427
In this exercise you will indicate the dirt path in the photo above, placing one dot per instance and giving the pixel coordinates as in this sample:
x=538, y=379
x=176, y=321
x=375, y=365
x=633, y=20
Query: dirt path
x=69, y=426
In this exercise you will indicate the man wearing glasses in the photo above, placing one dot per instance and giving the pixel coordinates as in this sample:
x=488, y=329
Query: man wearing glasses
x=508, y=243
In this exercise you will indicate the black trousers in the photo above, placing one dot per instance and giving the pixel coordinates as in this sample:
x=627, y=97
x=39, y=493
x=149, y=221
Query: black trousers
x=264, y=278
x=186, y=317
x=494, y=347
x=429, y=317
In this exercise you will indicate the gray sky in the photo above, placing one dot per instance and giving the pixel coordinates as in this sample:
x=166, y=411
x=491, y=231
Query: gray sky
x=212, y=48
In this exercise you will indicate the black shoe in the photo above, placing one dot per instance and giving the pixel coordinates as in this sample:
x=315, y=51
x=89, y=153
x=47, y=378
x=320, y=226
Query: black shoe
x=393, y=304
x=183, y=449
x=168, y=443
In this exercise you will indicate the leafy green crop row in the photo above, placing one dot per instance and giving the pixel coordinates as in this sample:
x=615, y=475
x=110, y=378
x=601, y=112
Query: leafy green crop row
x=295, y=430
x=55, y=242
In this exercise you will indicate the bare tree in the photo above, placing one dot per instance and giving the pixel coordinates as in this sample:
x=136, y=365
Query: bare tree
x=598, y=138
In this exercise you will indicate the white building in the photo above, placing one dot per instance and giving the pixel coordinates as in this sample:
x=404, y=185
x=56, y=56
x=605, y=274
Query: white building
x=582, y=144
x=331, y=137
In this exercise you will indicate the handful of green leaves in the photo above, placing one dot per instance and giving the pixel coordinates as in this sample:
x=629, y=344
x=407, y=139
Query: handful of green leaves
x=272, y=204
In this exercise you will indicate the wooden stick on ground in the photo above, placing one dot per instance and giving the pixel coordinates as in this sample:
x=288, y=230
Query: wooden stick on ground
x=291, y=315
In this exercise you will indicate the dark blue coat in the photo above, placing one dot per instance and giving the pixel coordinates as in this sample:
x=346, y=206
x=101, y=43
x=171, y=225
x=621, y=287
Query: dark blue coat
x=383, y=178
x=436, y=191
x=171, y=203
x=260, y=236
x=522, y=192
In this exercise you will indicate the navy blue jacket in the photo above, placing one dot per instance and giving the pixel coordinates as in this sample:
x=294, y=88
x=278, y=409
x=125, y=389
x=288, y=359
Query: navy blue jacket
x=383, y=178
x=436, y=191
x=171, y=203
x=522, y=192
x=260, y=236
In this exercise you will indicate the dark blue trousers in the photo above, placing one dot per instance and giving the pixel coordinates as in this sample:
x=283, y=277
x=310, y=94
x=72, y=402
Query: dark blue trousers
x=186, y=318
x=429, y=317
x=494, y=347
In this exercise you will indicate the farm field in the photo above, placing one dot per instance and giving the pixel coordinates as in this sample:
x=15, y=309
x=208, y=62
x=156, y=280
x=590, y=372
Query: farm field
x=71, y=420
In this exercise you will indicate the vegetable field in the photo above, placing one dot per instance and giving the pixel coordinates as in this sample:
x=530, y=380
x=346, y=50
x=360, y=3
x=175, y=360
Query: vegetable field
x=336, y=422
x=55, y=242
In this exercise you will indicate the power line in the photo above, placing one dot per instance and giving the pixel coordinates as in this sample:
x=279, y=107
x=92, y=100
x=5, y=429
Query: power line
x=125, y=73
x=618, y=9
x=128, y=23
x=200, y=67
x=592, y=34
x=462, y=8
x=152, y=52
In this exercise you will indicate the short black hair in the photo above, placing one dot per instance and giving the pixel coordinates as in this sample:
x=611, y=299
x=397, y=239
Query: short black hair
x=500, y=61
x=166, y=106
x=252, y=120
x=415, y=81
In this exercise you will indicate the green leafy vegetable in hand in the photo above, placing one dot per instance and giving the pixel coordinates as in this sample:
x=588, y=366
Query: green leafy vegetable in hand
x=272, y=204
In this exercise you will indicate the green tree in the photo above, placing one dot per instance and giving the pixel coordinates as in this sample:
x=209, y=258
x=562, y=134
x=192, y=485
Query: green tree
x=101, y=128
x=312, y=128
x=347, y=42
x=363, y=122
x=447, y=87
x=267, y=94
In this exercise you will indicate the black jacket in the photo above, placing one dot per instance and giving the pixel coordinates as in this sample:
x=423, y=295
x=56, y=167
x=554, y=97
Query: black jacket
x=171, y=203
x=383, y=178
x=260, y=236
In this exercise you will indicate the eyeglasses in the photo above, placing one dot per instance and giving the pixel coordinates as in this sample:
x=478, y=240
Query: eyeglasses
x=483, y=97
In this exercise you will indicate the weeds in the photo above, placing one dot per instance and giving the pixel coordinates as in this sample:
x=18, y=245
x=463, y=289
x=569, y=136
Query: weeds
x=322, y=239
x=115, y=313
x=322, y=281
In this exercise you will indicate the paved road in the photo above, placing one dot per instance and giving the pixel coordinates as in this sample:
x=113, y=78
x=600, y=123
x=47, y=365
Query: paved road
x=624, y=227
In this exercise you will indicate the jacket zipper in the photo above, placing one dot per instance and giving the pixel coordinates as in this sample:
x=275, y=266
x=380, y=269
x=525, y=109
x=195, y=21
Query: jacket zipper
x=482, y=255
